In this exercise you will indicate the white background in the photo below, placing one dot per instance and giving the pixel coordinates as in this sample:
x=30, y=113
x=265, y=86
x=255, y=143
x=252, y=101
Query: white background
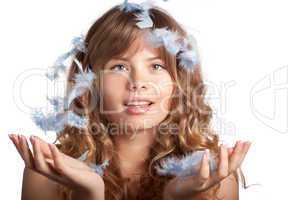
x=250, y=58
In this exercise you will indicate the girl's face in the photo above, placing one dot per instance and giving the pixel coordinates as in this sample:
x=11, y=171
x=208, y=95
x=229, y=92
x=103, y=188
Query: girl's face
x=136, y=89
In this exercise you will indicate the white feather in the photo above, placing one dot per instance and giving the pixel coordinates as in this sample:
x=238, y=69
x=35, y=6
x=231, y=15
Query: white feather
x=99, y=169
x=59, y=65
x=182, y=167
x=56, y=122
x=144, y=20
x=58, y=103
x=165, y=37
x=83, y=81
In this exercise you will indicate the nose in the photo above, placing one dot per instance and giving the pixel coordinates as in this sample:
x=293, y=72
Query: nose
x=137, y=80
x=136, y=86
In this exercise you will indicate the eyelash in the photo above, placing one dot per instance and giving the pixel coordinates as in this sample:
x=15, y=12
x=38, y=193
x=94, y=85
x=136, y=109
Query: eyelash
x=160, y=66
x=123, y=65
x=116, y=66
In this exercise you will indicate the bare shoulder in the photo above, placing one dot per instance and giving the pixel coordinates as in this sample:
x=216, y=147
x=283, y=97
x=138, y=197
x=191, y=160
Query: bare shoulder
x=38, y=187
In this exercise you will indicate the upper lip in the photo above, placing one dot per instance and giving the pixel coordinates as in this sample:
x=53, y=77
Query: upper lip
x=137, y=99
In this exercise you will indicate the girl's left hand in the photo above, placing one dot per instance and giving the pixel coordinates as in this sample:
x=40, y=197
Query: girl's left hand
x=230, y=159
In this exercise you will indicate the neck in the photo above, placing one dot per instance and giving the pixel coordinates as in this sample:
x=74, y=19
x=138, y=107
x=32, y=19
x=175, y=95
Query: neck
x=133, y=150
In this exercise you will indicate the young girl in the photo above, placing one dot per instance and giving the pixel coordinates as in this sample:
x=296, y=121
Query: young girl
x=145, y=106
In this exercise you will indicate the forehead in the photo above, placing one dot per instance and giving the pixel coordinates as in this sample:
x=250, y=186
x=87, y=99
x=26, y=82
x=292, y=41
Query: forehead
x=141, y=47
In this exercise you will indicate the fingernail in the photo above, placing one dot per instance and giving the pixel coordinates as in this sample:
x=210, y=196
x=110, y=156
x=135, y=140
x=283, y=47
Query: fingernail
x=31, y=139
x=23, y=138
x=35, y=137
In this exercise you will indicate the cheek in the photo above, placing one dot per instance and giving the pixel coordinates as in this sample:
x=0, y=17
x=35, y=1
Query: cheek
x=108, y=88
x=165, y=92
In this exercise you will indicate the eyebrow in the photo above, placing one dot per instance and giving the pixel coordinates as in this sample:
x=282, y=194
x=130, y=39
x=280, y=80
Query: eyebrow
x=126, y=59
x=154, y=58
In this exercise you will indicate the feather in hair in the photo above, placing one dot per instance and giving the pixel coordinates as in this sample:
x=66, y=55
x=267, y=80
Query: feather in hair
x=144, y=20
x=79, y=44
x=185, y=49
x=129, y=7
x=163, y=36
x=58, y=103
x=83, y=81
x=59, y=66
x=99, y=169
x=79, y=65
x=183, y=167
x=189, y=56
x=143, y=17
x=141, y=12
x=188, y=59
x=75, y=120
x=56, y=121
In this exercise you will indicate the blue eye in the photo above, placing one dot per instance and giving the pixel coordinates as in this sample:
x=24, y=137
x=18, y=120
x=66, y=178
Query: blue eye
x=117, y=67
x=155, y=66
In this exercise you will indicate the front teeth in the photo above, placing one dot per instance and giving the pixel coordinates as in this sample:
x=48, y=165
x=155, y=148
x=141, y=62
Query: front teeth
x=138, y=103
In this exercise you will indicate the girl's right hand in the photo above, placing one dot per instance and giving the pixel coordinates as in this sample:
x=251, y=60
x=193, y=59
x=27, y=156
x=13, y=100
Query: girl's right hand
x=47, y=160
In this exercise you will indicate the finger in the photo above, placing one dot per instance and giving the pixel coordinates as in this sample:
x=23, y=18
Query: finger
x=246, y=146
x=51, y=164
x=69, y=173
x=41, y=165
x=49, y=161
x=27, y=155
x=39, y=161
x=59, y=164
x=44, y=147
x=14, y=138
x=204, y=167
x=235, y=156
x=223, y=164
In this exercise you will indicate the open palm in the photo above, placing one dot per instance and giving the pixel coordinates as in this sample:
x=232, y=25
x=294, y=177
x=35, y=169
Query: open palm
x=47, y=160
x=230, y=159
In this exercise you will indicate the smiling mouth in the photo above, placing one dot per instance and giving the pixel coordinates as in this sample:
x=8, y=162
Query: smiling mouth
x=138, y=107
x=139, y=104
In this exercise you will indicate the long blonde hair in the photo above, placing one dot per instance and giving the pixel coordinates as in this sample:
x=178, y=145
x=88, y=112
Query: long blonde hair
x=111, y=35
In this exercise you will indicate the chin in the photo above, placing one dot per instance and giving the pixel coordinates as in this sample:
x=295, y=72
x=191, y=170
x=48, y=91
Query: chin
x=136, y=122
